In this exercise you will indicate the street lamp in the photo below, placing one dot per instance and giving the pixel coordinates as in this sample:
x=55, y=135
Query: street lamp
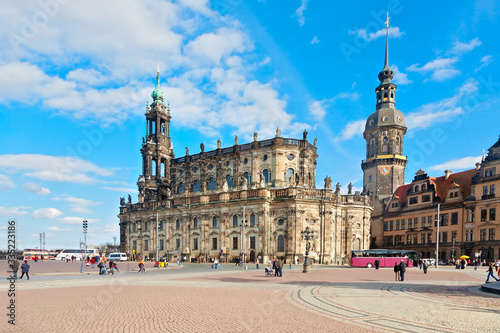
x=307, y=235
x=85, y=227
x=243, y=225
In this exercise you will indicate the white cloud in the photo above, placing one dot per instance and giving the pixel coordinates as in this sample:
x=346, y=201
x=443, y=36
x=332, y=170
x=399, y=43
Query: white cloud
x=363, y=34
x=47, y=213
x=36, y=188
x=461, y=48
x=6, y=184
x=78, y=205
x=300, y=13
x=352, y=129
x=440, y=69
x=442, y=111
x=485, y=61
x=12, y=211
x=317, y=110
x=74, y=220
x=315, y=40
x=58, y=229
x=212, y=47
x=53, y=168
x=400, y=78
x=122, y=189
x=88, y=76
x=458, y=164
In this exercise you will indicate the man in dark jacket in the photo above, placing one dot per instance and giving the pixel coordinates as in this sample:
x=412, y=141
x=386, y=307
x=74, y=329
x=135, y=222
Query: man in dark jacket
x=15, y=267
x=402, y=269
x=25, y=269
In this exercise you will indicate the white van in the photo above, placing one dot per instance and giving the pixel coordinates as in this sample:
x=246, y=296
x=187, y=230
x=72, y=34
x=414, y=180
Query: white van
x=117, y=256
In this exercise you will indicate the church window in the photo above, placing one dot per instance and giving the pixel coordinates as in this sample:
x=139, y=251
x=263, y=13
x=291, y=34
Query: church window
x=289, y=174
x=266, y=175
x=228, y=178
x=214, y=243
x=235, y=243
x=161, y=226
x=265, y=158
x=357, y=244
x=252, y=220
x=245, y=161
x=281, y=221
x=178, y=225
x=195, y=244
x=146, y=226
x=211, y=184
x=146, y=245
x=235, y=221
x=370, y=179
x=291, y=157
x=135, y=227
x=196, y=186
x=177, y=243
x=247, y=177
x=195, y=223
x=181, y=188
x=214, y=222
x=252, y=242
x=153, y=170
x=281, y=243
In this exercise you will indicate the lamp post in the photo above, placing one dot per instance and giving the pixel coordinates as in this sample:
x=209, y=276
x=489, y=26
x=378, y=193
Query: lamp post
x=85, y=227
x=438, y=222
x=307, y=235
x=243, y=225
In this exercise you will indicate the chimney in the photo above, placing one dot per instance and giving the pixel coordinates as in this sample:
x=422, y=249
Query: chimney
x=447, y=174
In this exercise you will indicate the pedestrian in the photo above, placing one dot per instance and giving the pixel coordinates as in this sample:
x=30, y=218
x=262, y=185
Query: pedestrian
x=496, y=263
x=15, y=267
x=402, y=269
x=216, y=263
x=99, y=265
x=377, y=263
x=141, y=267
x=280, y=267
x=67, y=258
x=420, y=263
x=490, y=273
x=396, y=271
x=298, y=261
x=276, y=268
x=426, y=265
x=25, y=268
x=257, y=263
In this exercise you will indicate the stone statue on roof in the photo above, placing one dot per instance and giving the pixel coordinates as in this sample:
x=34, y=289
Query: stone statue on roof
x=218, y=143
x=235, y=140
x=349, y=188
x=337, y=188
x=278, y=132
x=254, y=136
x=202, y=147
x=304, y=135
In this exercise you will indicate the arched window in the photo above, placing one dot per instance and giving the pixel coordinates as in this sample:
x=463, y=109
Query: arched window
x=146, y=226
x=281, y=243
x=235, y=221
x=266, y=176
x=181, y=188
x=196, y=186
x=195, y=223
x=252, y=220
x=247, y=177
x=214, y=222
x=178, y=225
x=163, y=172
x=161, y=226
x=357, y=244
x=153, y=168
x=385, y=145
x=211, y=184
x=416, y=188
x=385, y=96
x=423, y=187
x=372, y=148
x=289, y=173
x=392, y=95
x=135, y=227
x=228, y=178
x=398, y=142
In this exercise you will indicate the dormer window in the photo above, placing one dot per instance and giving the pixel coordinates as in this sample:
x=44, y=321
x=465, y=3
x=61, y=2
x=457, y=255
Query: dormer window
x=423, y=187
x=416, y=188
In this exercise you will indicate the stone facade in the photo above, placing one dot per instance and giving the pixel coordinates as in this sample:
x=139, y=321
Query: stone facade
x=253, y=198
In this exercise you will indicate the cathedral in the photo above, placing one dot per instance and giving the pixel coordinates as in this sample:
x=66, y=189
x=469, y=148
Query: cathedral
x=251, y=199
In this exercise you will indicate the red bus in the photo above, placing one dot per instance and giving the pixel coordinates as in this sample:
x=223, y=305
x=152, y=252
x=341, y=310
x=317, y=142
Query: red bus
x=32, y=254
x=386, y=258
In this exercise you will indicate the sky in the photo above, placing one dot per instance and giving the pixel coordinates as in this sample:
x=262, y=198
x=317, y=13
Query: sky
x=75, y=78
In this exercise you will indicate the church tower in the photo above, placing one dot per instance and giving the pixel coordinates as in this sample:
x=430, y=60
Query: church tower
x=157, y=150
x=384, y=167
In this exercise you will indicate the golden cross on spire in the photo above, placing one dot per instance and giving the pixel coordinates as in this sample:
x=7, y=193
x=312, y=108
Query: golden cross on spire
x=387, y=21
x=158, y=70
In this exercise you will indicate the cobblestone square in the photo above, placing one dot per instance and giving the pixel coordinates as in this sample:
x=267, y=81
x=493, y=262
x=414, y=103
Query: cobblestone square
x=196, y=298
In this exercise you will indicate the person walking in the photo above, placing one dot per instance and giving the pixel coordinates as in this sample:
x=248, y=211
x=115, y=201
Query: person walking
x=280, y=267
x=141, y=267
x=402, y=269
x=276, y=268
x=396, y=271
x=25, y=268
x=15, y=268
x=490, y=273
x=257, y=263
x=377, y=263
x=425, y=265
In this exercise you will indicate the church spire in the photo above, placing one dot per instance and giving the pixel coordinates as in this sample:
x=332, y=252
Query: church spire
x=386, y=75
x=158, y=94
x=386, y=90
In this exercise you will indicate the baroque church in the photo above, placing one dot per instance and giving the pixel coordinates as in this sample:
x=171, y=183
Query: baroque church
x=251, y=199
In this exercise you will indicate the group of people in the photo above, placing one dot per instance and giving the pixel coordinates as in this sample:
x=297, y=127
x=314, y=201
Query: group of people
x=277, y=266
x=25, y=268
x=400, y=270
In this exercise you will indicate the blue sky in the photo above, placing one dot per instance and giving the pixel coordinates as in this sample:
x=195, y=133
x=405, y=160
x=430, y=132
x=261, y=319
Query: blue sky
x=75, y=78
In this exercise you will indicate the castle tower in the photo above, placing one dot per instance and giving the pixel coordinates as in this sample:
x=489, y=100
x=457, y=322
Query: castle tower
x=157, y=150
x=385, y=128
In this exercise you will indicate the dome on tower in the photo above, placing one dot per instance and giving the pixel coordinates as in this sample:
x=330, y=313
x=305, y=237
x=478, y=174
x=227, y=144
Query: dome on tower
x=385, y=117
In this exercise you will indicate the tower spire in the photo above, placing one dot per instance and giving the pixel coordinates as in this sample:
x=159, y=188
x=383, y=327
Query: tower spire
x=158, y=94
x=386, y=64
